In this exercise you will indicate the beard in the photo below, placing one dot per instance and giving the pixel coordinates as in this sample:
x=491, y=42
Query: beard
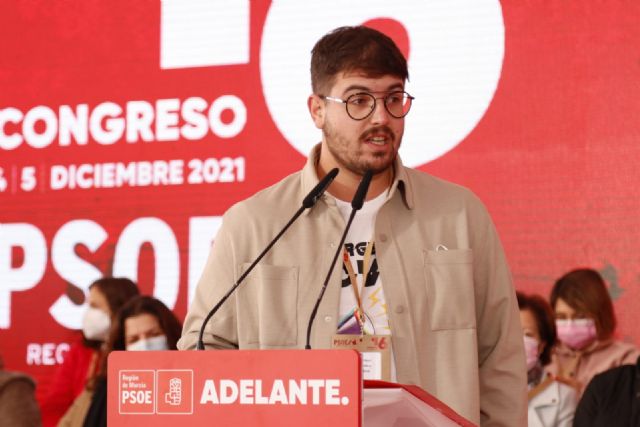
x=349, y=154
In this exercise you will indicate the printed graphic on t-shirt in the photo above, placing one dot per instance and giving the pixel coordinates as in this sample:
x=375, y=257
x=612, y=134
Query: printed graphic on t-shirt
x=373, y=303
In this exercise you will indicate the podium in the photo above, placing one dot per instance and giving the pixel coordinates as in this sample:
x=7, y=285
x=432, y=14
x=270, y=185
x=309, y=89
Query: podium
x=261, y=388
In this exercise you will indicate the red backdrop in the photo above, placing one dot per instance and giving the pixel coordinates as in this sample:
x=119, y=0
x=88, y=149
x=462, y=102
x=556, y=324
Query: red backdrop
x=553, y=150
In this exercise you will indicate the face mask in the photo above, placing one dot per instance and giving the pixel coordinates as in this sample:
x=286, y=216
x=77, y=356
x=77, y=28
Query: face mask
x=531, y=351
x=95, y=324
x=150, y=344
x=577, y=333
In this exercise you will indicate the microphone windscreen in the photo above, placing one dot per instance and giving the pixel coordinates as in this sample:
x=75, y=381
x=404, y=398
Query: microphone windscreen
x=320, y=188
x=361, y=192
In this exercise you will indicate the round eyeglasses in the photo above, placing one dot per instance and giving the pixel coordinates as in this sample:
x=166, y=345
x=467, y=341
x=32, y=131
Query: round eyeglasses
x=362, y=104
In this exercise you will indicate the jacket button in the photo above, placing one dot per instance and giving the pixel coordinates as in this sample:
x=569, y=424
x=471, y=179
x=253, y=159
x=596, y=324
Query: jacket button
x=383, y=237
x=399, y=309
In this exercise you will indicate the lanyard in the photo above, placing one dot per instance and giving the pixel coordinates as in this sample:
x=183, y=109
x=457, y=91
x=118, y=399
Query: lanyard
x=353, y=279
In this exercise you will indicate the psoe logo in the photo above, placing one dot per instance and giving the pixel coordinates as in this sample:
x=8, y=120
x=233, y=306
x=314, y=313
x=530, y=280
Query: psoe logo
x=167, y=391
x=175, y=391
x=174, y=397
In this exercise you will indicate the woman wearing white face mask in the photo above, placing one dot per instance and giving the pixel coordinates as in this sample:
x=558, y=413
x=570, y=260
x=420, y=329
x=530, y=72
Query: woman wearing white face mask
x=586, y=324
x=104, y=299
x=144, y=323
x=551, y=403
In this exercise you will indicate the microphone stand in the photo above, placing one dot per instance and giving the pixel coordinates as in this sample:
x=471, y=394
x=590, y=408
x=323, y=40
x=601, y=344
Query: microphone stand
x=308, y=202
x=356, y=205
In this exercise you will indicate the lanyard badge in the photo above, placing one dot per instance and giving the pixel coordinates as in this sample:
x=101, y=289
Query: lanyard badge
x=375, y=351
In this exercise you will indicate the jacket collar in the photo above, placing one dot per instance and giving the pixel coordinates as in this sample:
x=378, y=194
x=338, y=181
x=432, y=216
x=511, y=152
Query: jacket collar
x=547, y=395
x=309, y=179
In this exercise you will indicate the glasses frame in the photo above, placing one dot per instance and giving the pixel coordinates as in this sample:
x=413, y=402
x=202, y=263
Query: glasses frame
x=375, y=102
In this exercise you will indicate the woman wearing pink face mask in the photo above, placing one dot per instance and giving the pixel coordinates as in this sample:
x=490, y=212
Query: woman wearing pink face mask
x=551, y=403
x=586, y=324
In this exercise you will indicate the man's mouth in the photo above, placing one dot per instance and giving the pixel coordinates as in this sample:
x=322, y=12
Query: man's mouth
x=378, y=137
x=377, y=140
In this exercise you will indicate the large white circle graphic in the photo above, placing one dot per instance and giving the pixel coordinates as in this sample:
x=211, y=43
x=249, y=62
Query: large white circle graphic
x=455, y=60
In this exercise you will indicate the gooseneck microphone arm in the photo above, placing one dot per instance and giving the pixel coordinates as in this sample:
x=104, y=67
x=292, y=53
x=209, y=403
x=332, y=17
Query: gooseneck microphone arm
x=356, y=205
x=308, y=202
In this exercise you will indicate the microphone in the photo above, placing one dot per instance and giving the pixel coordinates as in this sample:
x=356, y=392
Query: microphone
x=356, y=205
x=308, y=202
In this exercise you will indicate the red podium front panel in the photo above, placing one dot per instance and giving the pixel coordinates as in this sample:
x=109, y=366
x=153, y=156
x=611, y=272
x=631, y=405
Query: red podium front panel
x=231, y=388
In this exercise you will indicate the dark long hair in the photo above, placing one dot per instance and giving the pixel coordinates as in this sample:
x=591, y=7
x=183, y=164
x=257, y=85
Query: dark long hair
x=142, y=304
x=117, y=291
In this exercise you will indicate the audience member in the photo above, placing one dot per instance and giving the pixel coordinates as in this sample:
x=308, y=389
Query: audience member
x=105, y=297
x=144, y=323
x=18, y=406
x=612, y=398
x=551, y=403
x=586, y=324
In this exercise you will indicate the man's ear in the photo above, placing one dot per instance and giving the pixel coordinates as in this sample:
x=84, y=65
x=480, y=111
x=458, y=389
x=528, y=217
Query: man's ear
x=317, y=110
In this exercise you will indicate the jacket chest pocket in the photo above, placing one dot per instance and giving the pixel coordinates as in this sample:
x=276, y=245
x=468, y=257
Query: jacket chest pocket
x=450, y=291
x=267, y=307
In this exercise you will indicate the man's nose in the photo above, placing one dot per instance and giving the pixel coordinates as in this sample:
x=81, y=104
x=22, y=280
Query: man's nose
x=380, y=114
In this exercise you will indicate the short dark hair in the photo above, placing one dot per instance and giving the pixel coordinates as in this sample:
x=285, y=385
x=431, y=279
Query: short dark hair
x=545, y=322
x=356, y=48
x=584, y=290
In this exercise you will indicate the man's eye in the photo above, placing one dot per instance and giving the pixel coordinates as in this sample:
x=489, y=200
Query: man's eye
x=359, y=100
x=395, y=98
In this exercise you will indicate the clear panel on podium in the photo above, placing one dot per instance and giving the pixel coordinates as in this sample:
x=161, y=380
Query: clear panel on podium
x=389, y=404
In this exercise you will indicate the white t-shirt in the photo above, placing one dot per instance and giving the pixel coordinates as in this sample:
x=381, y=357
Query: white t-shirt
x=373, y=302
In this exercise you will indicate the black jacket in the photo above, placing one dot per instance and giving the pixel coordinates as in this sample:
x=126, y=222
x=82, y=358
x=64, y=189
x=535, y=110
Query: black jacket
x=612, y=398
x=97, y=413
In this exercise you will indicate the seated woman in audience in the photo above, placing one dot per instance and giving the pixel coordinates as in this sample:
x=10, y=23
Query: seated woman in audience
x=586, y=324
x=105, y=297
x=144, y=323
x=551, y=403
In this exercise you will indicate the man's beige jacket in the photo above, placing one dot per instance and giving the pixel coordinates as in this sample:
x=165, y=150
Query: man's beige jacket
x=452, y=310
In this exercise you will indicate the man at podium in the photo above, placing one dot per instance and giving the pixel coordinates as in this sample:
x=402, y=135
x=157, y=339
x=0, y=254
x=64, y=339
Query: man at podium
x=421, y=287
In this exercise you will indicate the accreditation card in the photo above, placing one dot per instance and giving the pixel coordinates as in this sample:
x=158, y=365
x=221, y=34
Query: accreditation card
x=375, y=351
